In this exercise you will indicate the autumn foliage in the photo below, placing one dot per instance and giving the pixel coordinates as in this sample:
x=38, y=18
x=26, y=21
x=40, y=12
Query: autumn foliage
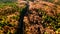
x=33, y=17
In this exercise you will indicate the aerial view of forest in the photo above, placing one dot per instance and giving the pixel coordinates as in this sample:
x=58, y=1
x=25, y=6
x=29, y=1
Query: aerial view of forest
x=29, y=16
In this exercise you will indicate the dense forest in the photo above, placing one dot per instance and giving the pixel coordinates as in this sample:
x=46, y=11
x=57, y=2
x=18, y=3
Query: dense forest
x=29, y=16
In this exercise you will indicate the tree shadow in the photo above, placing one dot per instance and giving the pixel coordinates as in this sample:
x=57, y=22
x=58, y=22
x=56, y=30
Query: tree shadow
x=21, y=26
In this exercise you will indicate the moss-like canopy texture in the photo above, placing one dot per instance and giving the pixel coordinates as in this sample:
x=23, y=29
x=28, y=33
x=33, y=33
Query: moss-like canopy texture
x=9, y=17
x=28, y=17
x=43, y=17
